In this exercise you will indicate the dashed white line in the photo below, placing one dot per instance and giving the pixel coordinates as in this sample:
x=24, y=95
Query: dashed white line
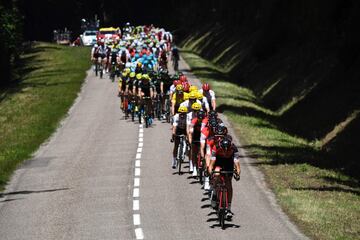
x=136, y=219
x=139, y=233
x=136, y=205
x=137, y=172
x=136, y=193
x=136, y=182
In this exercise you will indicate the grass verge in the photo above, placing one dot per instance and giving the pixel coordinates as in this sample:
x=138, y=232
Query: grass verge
x=324, y=203
x=51, y=77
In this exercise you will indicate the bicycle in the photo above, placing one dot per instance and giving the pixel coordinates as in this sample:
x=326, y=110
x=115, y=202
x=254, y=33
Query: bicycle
x=221, y=193
x=180, y=158
x=147, y=112
x=157, y=104
x=167, y=108
x=98, y=69
x=200, y=166
x=114, y=71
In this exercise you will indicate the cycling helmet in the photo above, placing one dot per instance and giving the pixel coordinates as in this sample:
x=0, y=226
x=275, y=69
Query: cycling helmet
x=196, y=106
x=179, y=87
x=138, y=76
x=186, y=96
x=182, y=109
x=193, y=88
x=192, y=95
x=225, y=143
x=206, y=87
x=127, y=70
x=183, y=78
x=176, y=82
x=124, y=74
x=186, y=86
x=220, y=130
x=212, y=114
x=199, y=95
x=145, y=76
x=139, y=64
x=201, y=115
x=132, y=74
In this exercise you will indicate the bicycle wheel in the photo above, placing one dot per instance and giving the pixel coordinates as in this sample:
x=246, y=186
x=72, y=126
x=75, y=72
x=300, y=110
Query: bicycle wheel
x=222, y=218
x=201, y=170
x=96, y=69
x=180, y=155
x=101, y=71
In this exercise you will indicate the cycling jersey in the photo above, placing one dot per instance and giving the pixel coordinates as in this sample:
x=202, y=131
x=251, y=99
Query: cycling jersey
x=196, y=125
x=102, y=51
x=145, y=87
x=188, y=104
x=180, y=123
x=209, y=95
x=225, y=158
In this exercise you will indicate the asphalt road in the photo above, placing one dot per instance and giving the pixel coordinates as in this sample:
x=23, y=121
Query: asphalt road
x=103, y=177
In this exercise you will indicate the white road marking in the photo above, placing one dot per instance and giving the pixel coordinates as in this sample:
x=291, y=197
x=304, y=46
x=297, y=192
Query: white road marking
x=136, y=205
x=141, y=135
x=136, y=192
x=140, y=126
x=136, y=182
x=137, y=163
x=141, y=140
x=141, y=130
x=137, y=172
x=141, y=144
x=139, y=233
x=139, y=150
x=136, y=219
x=138, y=156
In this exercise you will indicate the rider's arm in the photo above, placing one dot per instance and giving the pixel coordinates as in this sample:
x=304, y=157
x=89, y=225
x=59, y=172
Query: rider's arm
x=202, y=144
x=237, y=161
x=213, y=99
x=162, y=87
x=212, y=161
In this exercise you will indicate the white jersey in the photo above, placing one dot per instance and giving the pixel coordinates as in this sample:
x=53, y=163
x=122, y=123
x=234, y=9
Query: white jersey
x=172, y=89
x=212, y=94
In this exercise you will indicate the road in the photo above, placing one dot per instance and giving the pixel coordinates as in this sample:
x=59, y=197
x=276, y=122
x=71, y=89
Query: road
x=103, y=177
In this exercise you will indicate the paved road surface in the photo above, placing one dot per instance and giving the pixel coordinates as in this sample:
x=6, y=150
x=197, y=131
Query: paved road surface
x=80, y=185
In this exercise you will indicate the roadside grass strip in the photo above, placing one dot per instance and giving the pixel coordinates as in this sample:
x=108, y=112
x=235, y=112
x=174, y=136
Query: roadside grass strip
x=51, y=77
x=324, y=203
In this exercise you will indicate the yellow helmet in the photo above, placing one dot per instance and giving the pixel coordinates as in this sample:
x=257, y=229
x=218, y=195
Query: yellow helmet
x=186, y=96
x=132, y=74
x=124, y=74
x=196, y=106
x=127, y=70
x=182, y=109
x=179, y=87
x=199, y=95
x=138, y=76
x=192, y=95
x=146, y=76
x=193, y=88
x=139, y=64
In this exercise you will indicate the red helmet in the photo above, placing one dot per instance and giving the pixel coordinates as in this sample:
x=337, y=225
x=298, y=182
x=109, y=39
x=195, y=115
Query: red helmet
x=206, y=87
x=176, y=82
x=183, y=78
x=186, y=86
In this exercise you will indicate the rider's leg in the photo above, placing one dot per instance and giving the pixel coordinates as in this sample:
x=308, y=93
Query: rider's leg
x=176, y=144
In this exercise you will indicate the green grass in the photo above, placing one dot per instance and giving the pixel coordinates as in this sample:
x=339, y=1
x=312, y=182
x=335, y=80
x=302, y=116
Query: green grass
x=325, y=204
x=51, y=77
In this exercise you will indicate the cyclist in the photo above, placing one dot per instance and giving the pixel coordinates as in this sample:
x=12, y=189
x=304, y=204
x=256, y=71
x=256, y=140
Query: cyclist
x=179, y=128
x=146, y=93
x=203, y=100
x=192, y=99
x=102, y=52
x=207, y=132
x=177, y=99
x=94, y=54
x=175, y=57
x=122, y=89
x=194, y=140
x=225, y=157
x=210, y=95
